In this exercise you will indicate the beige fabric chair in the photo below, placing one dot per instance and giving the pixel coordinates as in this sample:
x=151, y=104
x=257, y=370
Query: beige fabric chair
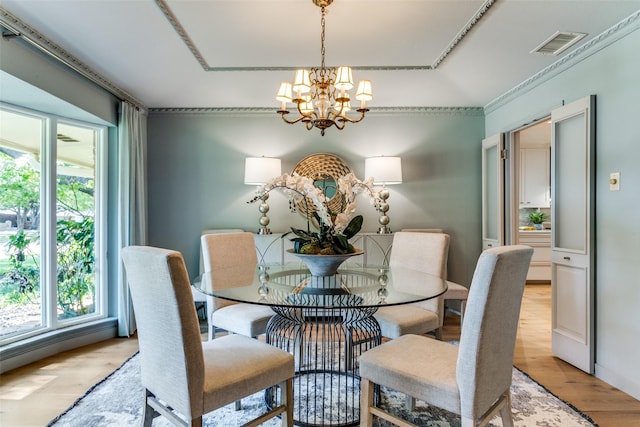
x=228, y=250
x=204, y=302
x=471, y=380
x=455, y=291
x=426, y=252
x=178, y=370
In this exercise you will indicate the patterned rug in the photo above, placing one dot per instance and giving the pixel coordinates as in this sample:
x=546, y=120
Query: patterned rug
x=117, y=401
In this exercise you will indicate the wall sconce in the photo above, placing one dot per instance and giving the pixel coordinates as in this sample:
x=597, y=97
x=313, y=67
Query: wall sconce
x=385, y=171
x=257, y=171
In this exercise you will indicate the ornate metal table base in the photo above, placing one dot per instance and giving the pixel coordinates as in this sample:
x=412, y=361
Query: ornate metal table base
x=326, y=343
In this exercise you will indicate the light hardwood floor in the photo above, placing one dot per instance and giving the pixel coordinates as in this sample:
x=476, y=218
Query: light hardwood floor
x=34, y=394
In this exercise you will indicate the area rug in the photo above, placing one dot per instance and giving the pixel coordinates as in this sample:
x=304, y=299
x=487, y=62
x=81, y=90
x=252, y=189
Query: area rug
x=117, y=401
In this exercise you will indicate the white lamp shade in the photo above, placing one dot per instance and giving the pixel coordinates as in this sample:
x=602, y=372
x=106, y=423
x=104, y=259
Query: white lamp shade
x=364, y=92
x=284, y=93
x=259, y=170
x=302, y=81
x=384, y=170
x=344, y=78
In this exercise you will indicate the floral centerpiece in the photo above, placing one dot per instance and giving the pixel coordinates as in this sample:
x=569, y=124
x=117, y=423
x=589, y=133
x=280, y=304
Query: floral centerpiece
x=332, y=228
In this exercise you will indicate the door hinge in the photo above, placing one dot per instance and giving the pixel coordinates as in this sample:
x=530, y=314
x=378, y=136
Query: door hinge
x=504, y=154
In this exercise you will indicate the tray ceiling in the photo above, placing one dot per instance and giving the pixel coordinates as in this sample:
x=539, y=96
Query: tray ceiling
x=234, y=53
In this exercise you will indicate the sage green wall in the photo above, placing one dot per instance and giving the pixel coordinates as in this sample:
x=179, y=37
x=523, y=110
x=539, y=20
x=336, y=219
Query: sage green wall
x=613, y=75
x=196, y=173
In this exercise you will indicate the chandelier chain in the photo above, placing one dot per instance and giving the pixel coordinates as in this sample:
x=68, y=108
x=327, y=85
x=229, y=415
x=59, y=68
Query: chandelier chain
x=322, y=23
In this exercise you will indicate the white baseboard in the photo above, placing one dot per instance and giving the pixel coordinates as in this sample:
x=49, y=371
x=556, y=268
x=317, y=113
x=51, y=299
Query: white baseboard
x=619, y=381
x=30, y=350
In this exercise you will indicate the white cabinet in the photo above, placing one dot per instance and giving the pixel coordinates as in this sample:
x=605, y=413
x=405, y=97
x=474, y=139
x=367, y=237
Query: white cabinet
x=540, y=241
x=535, y=185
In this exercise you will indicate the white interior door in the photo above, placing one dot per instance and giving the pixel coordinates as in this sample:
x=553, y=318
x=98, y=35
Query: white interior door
x=493, y=191
x=572, y=209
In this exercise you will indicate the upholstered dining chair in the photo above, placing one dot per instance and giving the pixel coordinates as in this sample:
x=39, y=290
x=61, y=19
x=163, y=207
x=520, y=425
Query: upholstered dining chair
x=229, y=250
x=425, y=252
x=455, y=291
x=178, y=371
x=473, y=379
x=204, y=303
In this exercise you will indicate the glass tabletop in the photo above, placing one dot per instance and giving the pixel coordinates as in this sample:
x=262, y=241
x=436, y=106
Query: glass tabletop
x=291, y=285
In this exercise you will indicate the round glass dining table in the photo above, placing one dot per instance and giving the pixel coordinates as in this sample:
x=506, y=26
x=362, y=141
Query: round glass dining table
x=326, y=322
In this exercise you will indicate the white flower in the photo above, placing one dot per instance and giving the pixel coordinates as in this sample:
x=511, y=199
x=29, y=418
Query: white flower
x=300, y=188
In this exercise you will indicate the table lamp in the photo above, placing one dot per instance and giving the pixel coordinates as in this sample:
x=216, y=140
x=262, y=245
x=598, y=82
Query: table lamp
x=385, y=171
x=257, y=171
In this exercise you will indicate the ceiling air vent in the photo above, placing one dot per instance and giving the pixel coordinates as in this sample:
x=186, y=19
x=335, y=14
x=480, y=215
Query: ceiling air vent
x=558, y=43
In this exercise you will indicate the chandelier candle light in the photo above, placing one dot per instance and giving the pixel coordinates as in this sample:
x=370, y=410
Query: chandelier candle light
x=384, y=171
x=258, y=171
x=321, y=94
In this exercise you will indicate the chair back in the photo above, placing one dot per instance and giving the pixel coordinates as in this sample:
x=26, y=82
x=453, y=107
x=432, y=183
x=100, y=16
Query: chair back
x=487, y=341
x=426, y=252
x=215, y=231
x=227, y=250
x=172, y=362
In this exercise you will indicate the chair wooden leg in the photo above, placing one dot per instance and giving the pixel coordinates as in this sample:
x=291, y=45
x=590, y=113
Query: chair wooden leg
x=286, y=391
x=196, y=422
x=505, y=411
x=366, y=401
x=148, y=413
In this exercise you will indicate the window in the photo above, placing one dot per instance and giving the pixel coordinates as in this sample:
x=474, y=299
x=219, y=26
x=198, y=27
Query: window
x=52, y=201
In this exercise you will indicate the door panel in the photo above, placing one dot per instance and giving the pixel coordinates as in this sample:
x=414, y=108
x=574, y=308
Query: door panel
x=492, y=192
x=571, y=184
x=572, y=211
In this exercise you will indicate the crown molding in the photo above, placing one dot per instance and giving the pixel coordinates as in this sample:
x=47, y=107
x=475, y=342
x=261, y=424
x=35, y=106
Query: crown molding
x=596, y=44
x=190, y=44
x=454, y=111
x=30, y=35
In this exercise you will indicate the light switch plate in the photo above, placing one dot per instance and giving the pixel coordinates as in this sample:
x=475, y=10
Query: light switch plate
x=614, y=181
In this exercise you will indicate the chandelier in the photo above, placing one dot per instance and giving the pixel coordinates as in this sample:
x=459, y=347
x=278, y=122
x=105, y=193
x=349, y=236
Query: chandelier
x=321, y=95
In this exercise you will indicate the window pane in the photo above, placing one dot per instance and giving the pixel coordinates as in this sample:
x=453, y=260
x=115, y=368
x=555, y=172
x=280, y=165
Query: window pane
x=20, y=296
x=75, y=222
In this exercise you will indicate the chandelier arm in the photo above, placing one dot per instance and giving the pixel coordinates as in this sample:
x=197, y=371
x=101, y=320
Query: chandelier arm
x=290, y=121
x=308, y=115
x=362, y=111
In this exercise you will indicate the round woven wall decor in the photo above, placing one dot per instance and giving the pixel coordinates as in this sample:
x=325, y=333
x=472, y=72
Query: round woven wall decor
x=324, y=168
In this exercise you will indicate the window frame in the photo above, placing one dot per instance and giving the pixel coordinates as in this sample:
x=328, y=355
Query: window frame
x=48, y=200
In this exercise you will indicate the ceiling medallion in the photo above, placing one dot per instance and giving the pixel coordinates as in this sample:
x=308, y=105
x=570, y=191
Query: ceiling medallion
x=321, y=94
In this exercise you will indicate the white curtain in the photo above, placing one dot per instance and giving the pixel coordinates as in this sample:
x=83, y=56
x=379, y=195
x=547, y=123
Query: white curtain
x=132, y=224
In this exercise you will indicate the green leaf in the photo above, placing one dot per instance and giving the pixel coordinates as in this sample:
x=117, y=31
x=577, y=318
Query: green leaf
x=341, y=243
x=354, y=227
